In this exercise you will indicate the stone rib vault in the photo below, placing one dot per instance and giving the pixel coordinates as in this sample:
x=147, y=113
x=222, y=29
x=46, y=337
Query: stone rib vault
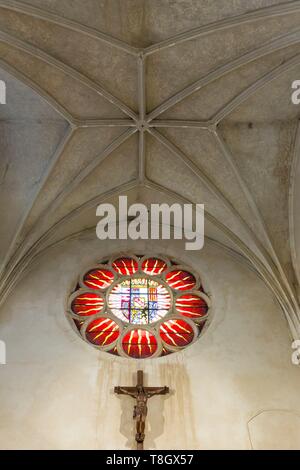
x=185, y=101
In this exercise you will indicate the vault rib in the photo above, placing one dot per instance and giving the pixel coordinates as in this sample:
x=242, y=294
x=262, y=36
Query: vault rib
x=141, y=121
x=54, y=204
x=142, y=111
x=222, y=114
x=270, y=280
x=226, y=23
x=212, y=188
x=212, y=126
x=181, y=123
x=39, y=13
x=57, y=155
x=142, y=156
x=12, y=277
x=230, y=160
x=74, y=122
x=272, y=46
x=141, y=88
x=67, y=70
x=254, y=87
x=292, y=183
x=248, y=17
x=267, y=274
x=37, y=89
x=89, y=123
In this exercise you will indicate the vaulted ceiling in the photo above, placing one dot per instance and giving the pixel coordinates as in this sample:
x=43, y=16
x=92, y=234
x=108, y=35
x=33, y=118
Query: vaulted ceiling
x=163, y=100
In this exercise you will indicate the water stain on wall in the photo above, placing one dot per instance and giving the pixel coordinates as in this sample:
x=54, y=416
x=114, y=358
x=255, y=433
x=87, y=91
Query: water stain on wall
x=166, y=414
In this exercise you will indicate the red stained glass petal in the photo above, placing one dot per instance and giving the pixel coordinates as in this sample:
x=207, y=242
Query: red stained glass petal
x=154, y=266
x=191, y=305
x=125, y=266
x=87, y=304
x=98, y=279
x=102, y=331
x=139, y=344
x=176, y=333
x=180, y=280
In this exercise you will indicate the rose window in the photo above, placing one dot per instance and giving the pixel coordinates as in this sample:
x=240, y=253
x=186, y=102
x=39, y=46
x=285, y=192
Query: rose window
x=139, y=306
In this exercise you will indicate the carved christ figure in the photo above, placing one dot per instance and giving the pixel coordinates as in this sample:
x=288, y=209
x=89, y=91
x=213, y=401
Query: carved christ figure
x=141, y=394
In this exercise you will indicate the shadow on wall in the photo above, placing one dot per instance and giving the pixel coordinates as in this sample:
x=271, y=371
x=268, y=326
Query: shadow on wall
x=275, y=430
x=167, y=414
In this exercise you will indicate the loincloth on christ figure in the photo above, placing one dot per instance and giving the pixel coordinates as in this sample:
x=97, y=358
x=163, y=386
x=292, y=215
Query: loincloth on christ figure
x=140, y=411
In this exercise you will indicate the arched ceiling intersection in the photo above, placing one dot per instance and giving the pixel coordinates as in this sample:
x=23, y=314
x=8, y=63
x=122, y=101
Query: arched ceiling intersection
x=29, y=62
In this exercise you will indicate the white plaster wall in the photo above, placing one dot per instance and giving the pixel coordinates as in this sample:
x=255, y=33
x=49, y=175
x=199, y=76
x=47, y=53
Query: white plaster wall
x=56, y=392
x=267, y=425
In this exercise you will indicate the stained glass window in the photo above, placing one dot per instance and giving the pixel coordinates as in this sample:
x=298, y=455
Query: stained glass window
x=139, y=306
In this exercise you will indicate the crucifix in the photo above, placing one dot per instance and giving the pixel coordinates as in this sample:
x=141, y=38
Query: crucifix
x=141, y=395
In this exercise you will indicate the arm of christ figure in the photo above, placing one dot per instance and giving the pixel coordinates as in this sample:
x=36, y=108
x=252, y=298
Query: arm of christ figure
x=131, y=391
x=157, y=391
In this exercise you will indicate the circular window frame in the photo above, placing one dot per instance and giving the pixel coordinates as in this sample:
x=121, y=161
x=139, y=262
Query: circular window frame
x=172, y=264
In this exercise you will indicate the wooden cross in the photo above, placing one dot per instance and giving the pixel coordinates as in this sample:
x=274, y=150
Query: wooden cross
x=141, y=395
